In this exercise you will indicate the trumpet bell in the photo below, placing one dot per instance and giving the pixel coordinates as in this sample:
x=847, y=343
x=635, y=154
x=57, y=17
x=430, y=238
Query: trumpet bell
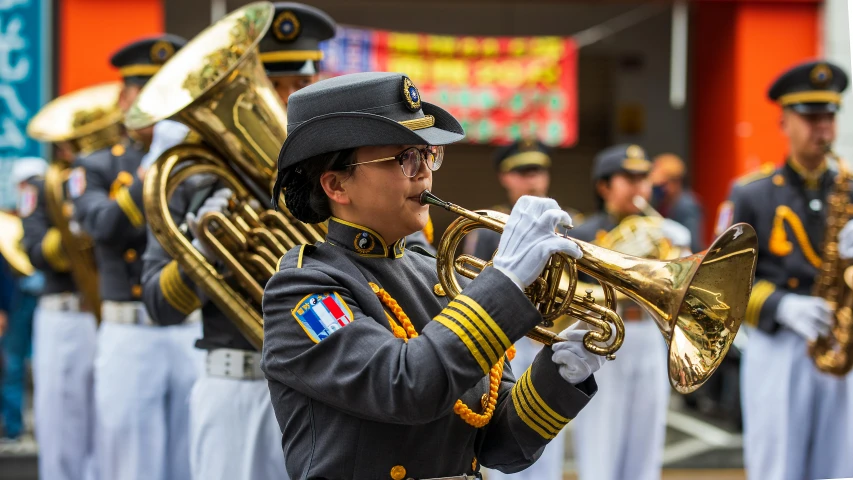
x=698, y=302
x=706, y=311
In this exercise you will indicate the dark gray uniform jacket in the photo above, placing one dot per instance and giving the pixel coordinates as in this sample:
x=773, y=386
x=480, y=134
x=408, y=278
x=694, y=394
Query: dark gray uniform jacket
x=45, y=250
x=109, y=208
x=785, y=264
x=169, y=294
x=354, y=401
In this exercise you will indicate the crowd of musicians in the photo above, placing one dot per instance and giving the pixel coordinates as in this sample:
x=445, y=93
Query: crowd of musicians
x=368, y=368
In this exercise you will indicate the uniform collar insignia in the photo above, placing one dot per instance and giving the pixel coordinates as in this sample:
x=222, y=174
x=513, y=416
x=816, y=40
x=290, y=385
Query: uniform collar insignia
x=362, y=240
x=810, y=179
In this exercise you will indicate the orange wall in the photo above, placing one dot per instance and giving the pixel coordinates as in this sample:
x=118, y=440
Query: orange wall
x=90, y=31
x=738, y=49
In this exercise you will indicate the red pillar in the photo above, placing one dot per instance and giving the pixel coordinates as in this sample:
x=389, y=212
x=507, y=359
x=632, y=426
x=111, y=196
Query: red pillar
x=739, y=47
x=91, y=30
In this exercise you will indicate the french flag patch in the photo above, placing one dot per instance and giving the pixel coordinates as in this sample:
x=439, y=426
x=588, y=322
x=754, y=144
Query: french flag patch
x=322, y=314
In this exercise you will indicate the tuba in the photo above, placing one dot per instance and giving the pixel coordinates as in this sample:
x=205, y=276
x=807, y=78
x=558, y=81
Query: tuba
x=217, y=86
x=85, y=121
x=834, y=353
x=698, y=302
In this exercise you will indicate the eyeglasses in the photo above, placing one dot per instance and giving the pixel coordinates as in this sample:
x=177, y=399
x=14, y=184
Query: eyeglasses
x=410, y=159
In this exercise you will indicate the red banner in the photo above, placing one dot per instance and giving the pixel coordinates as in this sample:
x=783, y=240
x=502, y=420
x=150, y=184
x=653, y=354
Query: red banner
x=500, y=88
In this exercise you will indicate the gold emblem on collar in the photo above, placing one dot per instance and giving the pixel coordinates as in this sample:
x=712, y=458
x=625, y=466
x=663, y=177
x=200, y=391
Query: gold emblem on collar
x=286, y=26
x=364, y=242
x=411, y=94
x=821, y=76
x=161, y=51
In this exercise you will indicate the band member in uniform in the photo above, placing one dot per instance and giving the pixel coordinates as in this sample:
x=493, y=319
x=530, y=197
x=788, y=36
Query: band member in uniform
x=797, y=420
x=372, y=370
x=143, y=373
x=523, y=169
x=673, y=200
x=630, y=416
x=233, y=432
x=63, y=341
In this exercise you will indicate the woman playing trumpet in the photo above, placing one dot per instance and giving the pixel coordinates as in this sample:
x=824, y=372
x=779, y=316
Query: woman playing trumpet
x=373, y=371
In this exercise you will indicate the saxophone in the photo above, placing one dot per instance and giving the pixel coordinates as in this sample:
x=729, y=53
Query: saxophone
x=834, y=353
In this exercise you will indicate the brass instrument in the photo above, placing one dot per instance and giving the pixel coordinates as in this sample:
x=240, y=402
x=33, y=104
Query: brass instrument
x=834, y=353
x=10, y=245
x=698, y=302
x=641, y=235
x=85, y=120
x=217, y=86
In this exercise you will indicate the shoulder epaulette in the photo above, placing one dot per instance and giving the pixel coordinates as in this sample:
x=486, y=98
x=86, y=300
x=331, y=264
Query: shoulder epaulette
x=765, y=171
x=300, y=252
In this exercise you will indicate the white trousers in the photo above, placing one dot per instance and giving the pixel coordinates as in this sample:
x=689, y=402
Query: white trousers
x=143, y=378
x=233, y=431
x=63, y=358
x=620, y=434
x=798, y=422
x=550, y=464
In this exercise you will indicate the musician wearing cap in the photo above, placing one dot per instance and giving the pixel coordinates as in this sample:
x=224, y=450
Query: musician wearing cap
x=143, y=373
x=798, y=418
x=523, y=168
x=620, y=419
x=233, y=431
x=290, y=50
x=373, y=371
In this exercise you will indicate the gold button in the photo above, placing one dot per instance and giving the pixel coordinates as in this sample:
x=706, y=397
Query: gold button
x=439, y=290
x=130, y=255
x=398, y=472
x=793, y=282
x=117, y=150
x=136, y=291
x=778, y=180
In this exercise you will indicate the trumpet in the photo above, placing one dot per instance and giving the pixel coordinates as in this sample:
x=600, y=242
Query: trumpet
x=697, y=302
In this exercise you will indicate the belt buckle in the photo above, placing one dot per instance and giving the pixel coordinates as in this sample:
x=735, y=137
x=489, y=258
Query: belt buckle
x=249, y=366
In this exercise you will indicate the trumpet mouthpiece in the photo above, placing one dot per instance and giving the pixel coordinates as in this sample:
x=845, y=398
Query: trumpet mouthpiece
x=428, y=198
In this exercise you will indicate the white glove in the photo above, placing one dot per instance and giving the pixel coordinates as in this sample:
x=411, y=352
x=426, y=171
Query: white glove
x=676, y=233
x=529, y=239
x=218, y=202
x=167, y=134
x=574, y=362
x=845, y=241
x=809, y=316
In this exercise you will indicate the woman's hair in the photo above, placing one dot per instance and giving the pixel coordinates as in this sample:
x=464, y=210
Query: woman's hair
x=303, y=194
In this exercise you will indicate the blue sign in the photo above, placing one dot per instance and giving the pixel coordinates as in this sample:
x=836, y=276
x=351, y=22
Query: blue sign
x=24, y=83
